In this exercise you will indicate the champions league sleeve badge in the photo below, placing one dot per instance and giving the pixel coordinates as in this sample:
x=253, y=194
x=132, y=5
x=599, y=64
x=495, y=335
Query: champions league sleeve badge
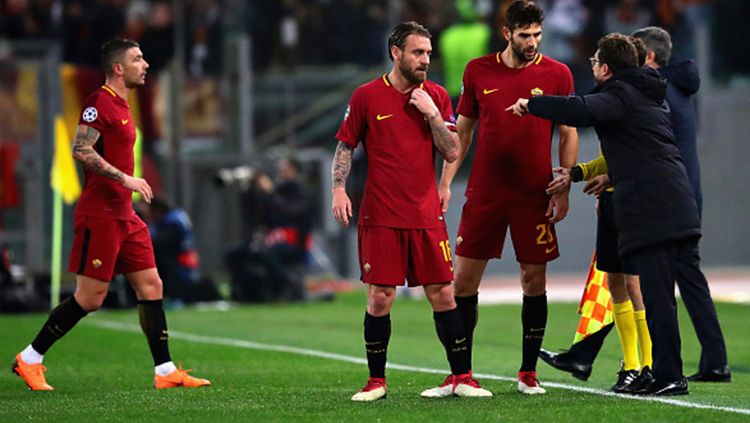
x=90, y=114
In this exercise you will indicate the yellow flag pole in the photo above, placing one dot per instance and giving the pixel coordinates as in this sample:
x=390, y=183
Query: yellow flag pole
x=57, y=231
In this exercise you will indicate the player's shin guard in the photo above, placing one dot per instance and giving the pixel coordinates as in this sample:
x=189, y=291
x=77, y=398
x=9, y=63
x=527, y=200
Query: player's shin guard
x=626, y=330
x=60, y=321
x=467, y=307
x=377, y=335
x=450, y=330
x=644, y=338
x=534, y=322
x=154, y=325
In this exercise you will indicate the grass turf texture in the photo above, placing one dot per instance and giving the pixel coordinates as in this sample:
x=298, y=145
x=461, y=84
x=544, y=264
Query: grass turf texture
x=105, y=373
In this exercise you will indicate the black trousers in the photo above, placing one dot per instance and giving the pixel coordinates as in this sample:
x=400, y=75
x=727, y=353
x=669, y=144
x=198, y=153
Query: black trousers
x=700, y=306
x=658, y=267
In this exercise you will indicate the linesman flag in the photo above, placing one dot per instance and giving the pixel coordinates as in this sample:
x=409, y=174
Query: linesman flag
x=596, y=304
x=64, y=176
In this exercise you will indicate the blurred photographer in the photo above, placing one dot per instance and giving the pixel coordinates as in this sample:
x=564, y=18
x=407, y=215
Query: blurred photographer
x=278, y=217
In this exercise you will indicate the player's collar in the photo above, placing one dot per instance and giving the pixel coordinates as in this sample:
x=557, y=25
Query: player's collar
x=109, y=90
x=536, y=61
x=388, y=83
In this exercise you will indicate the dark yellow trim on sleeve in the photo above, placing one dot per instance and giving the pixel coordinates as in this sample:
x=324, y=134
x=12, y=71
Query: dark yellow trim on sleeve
x=109, y=90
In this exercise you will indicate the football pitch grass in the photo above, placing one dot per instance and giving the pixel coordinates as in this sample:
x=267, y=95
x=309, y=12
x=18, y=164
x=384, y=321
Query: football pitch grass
x=302, y=362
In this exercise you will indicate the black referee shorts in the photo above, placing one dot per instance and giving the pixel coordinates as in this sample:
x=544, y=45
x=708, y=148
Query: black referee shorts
x=607, y=259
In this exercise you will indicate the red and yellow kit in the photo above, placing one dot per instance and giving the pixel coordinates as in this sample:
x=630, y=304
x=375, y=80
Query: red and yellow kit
x=512, y=161
x=401, y=189
x=109, y=238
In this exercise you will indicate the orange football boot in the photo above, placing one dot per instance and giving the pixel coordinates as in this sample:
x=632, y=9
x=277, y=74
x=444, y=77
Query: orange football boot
x=179, y=378
x=32, y=374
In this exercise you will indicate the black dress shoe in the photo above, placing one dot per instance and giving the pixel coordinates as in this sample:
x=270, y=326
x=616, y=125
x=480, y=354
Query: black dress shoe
x=567, y=363
x=722, y=374
x=678, y=387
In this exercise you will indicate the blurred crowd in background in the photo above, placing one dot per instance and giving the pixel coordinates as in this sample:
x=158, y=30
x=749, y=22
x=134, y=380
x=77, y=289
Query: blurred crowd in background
x=306, y=56
x=308, y=32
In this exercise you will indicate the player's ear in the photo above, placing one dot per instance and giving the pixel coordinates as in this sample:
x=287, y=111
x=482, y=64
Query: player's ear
x=116, y=68
x=395, y=52
x=505, y=31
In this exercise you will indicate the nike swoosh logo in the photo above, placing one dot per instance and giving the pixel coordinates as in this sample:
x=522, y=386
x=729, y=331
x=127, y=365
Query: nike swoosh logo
x=458, y=341
x=383, y=117
x=124, y=121
x=486, y=91
x=550, y=249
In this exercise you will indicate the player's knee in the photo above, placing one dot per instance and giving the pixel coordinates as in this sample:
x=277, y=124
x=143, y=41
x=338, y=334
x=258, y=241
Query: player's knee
x=534, y=287
x=379, y=302
x=149, y=289
x=442, y=299
x=90, y=303
x=466, y=284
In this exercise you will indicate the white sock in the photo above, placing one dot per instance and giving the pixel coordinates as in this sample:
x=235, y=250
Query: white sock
x=164, y=368
x=30, y=356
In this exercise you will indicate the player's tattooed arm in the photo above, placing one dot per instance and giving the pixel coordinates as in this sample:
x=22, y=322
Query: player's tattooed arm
x=342, y=164
x=341, y=205
x=445, y=140
x=83, y=151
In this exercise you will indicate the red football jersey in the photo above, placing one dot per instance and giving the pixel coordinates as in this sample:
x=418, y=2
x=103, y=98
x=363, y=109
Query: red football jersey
x=512, y=159
x=109, y=114
x=400, y=191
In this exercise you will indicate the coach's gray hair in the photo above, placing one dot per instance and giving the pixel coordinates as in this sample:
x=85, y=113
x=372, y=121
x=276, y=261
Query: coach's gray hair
x=657, y=40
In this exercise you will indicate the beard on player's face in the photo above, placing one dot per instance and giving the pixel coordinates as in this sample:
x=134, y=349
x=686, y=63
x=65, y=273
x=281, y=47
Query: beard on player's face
x=415, y=74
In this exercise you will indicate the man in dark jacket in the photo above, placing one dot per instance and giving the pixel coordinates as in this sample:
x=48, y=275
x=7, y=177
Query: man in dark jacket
x=654, y=205
x=682, y=82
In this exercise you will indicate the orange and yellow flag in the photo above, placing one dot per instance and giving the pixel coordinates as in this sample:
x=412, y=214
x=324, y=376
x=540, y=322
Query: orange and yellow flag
x=64, y=175
x=596, y=304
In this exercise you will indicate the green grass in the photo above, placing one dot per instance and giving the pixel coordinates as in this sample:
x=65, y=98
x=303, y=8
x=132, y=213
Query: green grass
x=106, y=373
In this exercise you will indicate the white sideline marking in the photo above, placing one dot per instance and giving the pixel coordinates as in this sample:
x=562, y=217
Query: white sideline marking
x=239, y=343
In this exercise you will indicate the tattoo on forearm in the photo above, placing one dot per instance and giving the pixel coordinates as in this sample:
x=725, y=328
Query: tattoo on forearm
x=83, y=151
x=445, y=141
x=342, y=164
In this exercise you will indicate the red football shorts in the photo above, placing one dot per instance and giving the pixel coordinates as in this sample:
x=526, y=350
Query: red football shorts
x=104, y=247
x=481, y=234
x=387, y=256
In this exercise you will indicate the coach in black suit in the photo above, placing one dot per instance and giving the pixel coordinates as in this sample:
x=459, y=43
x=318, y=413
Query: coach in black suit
x=654, y=205
x=682, y=82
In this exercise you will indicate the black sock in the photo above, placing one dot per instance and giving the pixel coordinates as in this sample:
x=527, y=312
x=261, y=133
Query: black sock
x=60, y=321
x=534, y=321
x=377, y=335
x=467, y=306
x=154, y=325
x=450, y=330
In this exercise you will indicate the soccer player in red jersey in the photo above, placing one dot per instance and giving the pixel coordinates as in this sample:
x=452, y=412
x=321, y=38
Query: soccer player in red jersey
x=401, y=118
x=109, y=238
x=508, y=178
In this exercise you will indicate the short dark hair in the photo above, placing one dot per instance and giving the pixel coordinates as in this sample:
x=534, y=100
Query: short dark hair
x=657, y=40
x=640, y=48
x=398, y=35
x=617, y=51
x=113, y=50
x=523, y=13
